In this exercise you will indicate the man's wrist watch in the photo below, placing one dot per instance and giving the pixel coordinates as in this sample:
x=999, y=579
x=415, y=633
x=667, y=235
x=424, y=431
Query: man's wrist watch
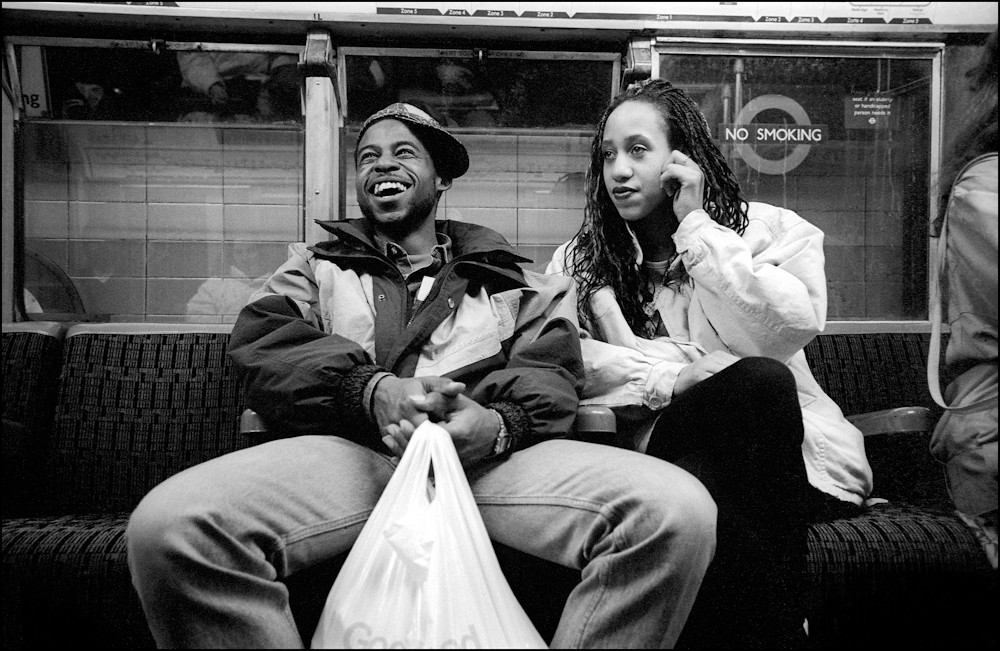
x=503, y=441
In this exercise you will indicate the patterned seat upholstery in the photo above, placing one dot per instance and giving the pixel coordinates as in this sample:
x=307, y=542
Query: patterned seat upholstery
x=872, y=371
x=907, y=563
x=900, y=577
x=66, y=583
x=138, y=403
x=32, y=355
x=135, y=404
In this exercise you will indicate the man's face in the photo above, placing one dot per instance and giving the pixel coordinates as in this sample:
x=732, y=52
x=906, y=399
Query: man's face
x=397, y=184
x=93, y=93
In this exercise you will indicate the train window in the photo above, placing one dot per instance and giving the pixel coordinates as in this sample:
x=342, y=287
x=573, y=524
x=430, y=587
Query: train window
x=147, y=200
x=845, y=141
x=171, y=83
x=497, y=89
x=528, y=153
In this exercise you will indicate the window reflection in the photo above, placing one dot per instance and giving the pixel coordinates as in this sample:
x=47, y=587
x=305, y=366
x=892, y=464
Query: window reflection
x=499, y=90
x=106, y=84
x=162, y=222
x=845, y=142
x=122, y=84
x=238, y=87
x=527, y=119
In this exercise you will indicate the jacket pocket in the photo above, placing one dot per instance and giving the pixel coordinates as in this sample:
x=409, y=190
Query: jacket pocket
x=474, y=332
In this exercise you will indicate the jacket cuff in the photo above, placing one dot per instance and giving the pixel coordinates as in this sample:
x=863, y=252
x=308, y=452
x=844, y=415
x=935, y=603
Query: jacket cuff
x=353, y=394
x=369, y=394
x=518, y=423
x=659, y=389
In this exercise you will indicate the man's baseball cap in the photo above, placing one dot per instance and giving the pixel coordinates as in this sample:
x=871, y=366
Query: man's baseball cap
x=451, y=160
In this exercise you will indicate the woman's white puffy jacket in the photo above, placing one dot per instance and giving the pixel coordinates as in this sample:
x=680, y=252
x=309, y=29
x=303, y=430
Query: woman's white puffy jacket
x=762, y=294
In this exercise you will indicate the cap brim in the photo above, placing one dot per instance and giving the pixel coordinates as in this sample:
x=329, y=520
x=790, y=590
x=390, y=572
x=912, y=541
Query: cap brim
x=450, y=156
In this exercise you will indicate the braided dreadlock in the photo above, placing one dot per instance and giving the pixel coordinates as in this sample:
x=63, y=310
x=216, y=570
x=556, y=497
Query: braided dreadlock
x=604, y=254
x=979, y=135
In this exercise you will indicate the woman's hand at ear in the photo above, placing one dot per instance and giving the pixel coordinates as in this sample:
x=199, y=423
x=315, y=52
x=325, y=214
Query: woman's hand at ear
x=681, y=178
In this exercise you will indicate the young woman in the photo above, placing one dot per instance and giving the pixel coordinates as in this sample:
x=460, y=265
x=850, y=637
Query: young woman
x=698, y=305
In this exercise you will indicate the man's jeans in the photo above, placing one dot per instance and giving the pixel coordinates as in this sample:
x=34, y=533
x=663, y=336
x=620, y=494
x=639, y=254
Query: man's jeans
x=208, y=545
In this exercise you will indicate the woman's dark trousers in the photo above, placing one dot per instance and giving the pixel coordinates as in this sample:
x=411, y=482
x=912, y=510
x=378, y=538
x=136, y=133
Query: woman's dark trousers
x=740, y=432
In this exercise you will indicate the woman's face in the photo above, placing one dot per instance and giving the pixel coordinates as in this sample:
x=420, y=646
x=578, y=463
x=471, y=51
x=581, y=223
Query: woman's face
x=634, y=150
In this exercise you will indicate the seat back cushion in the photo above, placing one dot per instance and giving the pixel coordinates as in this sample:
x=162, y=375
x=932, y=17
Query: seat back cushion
x=872, y=371
x=32, y=352
x=31, y=356
x=889, y=577
x=138, y=403
x=875, y=371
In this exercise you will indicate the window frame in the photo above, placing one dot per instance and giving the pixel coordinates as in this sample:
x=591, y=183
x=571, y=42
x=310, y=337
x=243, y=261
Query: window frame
x=156, y=46
x=930, y=51
x=342, y=159
x=474, y=52
x=14, y=62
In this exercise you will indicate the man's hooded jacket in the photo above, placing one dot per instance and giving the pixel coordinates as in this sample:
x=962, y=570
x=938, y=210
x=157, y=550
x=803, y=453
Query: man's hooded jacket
x=337, y=313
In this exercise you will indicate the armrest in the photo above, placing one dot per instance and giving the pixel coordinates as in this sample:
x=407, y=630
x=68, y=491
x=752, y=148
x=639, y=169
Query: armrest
x=592, y=420
x=896, y=444
x=900, y=419
x=251, y=423
x=595, y=420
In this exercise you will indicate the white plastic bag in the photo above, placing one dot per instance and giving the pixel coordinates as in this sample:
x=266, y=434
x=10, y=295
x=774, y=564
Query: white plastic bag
x=423, y=573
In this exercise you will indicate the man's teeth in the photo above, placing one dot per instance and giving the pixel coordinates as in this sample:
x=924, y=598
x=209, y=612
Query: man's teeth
x=387, y=187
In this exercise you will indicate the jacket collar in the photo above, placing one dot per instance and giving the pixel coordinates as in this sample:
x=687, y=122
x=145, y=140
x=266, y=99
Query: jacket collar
x=470, y=241
x=639, y=257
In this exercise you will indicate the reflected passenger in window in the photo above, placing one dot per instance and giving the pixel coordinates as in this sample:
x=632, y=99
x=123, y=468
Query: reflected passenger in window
x=370, y=85
x=90, y=97
x=464, y=103
x=698, y=305
x=236, y=86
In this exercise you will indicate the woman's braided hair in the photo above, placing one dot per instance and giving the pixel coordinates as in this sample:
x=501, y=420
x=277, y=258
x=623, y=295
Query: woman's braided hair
x=978, y=135
x=604, y=254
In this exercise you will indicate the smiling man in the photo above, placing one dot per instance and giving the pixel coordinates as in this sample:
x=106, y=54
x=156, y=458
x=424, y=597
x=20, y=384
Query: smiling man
x=354, y=341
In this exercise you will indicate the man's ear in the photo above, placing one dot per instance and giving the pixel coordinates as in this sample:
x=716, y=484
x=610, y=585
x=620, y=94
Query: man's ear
x=442, y=184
